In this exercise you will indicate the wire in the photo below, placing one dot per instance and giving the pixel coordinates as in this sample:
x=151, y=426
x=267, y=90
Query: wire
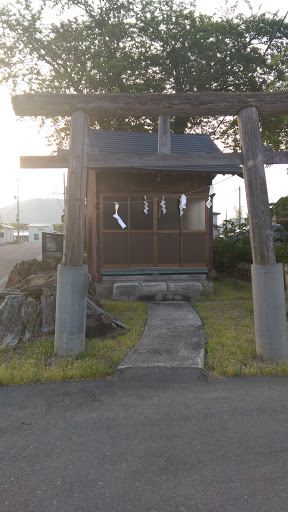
x=275, y=33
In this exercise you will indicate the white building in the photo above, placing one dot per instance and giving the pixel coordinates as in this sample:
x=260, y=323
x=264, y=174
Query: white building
x=6, y=234
x=23, y=235
x=36, y=230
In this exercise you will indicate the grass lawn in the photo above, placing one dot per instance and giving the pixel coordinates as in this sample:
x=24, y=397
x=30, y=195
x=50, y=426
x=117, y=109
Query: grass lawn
x=230, y=347
x=229, y=327
x=34, y=361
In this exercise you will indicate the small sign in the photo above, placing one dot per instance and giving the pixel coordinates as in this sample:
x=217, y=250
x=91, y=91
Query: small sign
x=52, y=244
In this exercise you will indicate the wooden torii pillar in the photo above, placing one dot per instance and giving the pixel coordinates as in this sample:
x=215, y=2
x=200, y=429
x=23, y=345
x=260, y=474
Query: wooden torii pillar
x=267, y=276
x=267, y=281
x=93, y=226
x=72, y=275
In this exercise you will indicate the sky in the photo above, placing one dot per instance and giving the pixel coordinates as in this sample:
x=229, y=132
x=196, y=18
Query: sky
x=23, y=137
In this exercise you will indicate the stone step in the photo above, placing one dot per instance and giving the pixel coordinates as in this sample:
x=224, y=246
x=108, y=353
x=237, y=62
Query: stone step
x=163, y=297
x=161, y=290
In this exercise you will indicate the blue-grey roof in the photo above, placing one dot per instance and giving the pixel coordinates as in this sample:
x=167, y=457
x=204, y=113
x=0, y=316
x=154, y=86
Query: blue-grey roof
x=123, y=142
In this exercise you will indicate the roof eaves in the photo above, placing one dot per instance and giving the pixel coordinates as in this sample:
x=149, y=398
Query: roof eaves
x=120, y=142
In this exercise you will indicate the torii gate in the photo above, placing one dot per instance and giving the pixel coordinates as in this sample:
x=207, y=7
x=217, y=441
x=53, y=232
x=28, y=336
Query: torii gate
x=267, y=276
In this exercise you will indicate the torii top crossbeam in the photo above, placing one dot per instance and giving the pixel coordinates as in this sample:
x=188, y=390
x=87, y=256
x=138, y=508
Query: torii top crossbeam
x=270, y=322
x=200, y=104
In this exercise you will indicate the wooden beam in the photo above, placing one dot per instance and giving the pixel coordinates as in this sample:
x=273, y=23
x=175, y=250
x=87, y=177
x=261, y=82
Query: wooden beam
x=175, y=160
x=179, y=160
x=210, y=274
x=279, y=157
x=164, y=137
x=98, y=237
x=201, y=104
x=261, y=232
x=76, y=191
x=91, y=207
x=44, y=162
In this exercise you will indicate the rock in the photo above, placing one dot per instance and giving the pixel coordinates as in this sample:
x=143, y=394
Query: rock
x=151, y=287
x=34, y=285
x=11, y=319
x=48, y=309
x=244, y=269
x=25, y=269
x=192, y=289
x=29, y=307
x=126, y=291
x=31, y=318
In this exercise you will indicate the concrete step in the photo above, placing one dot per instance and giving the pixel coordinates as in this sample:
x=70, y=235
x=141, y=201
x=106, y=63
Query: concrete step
x=163, y=297
x=161, y=290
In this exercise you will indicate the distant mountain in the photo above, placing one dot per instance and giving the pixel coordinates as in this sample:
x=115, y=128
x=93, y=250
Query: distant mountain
x=34, y=210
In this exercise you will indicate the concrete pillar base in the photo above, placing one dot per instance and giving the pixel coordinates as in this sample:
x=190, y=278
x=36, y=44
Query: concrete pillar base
x=269, y=311
x=71, y=303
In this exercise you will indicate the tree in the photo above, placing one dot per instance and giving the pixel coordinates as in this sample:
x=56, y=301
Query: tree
x=22, y=225
x=152, y=46
x=59, y=228
x=232, y=247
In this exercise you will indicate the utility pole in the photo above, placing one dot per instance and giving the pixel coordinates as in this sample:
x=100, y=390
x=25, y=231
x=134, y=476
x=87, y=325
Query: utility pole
x=64, y=188
x=64, y=195
x=240, y=216
x=238, y=212
x=18, y=212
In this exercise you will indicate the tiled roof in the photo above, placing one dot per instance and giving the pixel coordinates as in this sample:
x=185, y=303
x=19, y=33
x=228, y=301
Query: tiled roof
x=121, y=142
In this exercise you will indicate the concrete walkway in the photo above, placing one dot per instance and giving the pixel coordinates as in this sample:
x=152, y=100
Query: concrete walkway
x=173, y=337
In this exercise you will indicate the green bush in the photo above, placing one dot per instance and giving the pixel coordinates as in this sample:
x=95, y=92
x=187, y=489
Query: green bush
x=227, y=253
x=281, y=252
x=233, y=247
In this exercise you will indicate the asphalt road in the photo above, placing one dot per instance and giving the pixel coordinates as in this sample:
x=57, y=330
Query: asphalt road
x=150, y=440
x=14, y=253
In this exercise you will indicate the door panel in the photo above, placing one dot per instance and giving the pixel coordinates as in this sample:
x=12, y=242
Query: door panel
x=170, y=220
x=139, y=220
x=168, y=249
x=194, y=249
x=141, y=249
x=194, y=215
x=115, y=248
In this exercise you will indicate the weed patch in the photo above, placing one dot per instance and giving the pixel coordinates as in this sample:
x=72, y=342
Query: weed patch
x=34, y=361
x=231, y=289
x=229, y=327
